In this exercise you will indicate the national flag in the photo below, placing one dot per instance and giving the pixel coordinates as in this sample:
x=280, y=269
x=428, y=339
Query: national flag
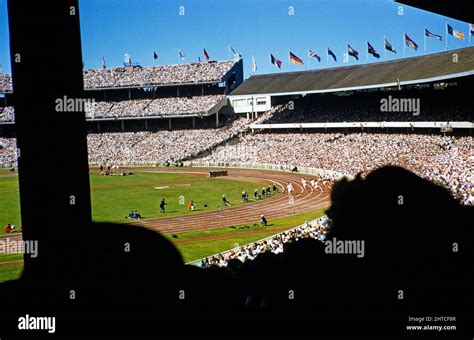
x=254, y=64
x=155, y=56
x=312, y=54
x=331, y=53
x=295, y=60
x=181, y=55
x=275, y=61
x=455, y=33
x=389, y=46
x=233, y=52
x=352, y=52
x=371, y=50
x=432, y=35
x=104, y=66
x=410, y=43
x=205, y=54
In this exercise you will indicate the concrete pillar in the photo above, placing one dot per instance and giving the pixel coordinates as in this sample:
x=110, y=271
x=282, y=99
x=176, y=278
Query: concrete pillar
x=217, y=119
x=129, y=94
x=98, y=126
x=146, y=124
x=194, y=122
x=122, y=123
x=169, y=123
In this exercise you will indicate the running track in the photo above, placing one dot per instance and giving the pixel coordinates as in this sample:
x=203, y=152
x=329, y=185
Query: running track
x=276, y=206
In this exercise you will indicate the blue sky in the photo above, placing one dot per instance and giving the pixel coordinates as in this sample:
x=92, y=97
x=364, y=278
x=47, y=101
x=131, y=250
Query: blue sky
x=111, y=28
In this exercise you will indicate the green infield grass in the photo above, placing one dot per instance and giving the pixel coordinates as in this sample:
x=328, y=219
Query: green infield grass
x=194, y=245
x=10, y=272
x=9, y=202
x=114, y=196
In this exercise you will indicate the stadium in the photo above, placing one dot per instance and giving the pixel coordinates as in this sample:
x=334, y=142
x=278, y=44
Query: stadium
x=237, y=172
x=202, y=117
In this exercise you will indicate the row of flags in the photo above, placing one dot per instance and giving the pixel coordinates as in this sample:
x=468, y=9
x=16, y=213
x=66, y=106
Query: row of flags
x=128, y=58
x=409, y=42
x=182, y=56
x=312, y=54
x=294, y=59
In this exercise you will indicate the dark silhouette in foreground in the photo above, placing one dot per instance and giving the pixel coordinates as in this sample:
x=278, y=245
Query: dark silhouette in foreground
x=416, y=260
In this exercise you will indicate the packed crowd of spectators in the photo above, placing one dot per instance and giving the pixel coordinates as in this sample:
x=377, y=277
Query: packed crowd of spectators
x=367, y=108
x=7, y=114
x=135, y=76
x=6, y=84
x=182, y=105
x=7, y=151
x=276, y=244
x=198, y=105
x=157, y=147
x=442, y=159
x=157, y=75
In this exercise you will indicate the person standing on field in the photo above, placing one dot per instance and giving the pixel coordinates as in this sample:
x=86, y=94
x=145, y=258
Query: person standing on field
x=162, y=206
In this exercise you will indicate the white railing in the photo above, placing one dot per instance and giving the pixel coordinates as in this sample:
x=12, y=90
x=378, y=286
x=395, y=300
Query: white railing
x=275, y=167
x=359, y=125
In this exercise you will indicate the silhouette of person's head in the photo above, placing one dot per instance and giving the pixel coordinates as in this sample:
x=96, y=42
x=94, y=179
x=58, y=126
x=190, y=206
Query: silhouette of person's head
x=410, y=228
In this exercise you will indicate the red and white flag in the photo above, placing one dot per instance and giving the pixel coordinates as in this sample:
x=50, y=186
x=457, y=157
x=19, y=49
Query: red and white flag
x=410, y=43
x=205, y=54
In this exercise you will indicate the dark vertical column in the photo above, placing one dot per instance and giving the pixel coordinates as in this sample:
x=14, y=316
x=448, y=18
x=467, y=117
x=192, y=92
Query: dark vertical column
x=53, y=171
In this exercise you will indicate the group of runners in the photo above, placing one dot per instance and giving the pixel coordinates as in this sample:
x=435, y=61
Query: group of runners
x=258, y=195
x=313, y=183
x=265, y=192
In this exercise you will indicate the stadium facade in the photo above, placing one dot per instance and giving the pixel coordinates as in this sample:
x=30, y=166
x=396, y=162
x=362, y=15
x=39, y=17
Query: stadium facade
x=446, y=74
x=136, y=97
x=196, y=95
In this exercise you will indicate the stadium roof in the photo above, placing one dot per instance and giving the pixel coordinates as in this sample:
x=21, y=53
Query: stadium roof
x=413, y=70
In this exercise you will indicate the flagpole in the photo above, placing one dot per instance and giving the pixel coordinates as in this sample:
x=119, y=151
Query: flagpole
x=289, y=60
x=367, y=52
x=327, y=56
x=385, y=47
x=307, y=65
x=228, y=52
x=424, y=41
x=446, y=36
x=404, y=45
x=469, y=34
